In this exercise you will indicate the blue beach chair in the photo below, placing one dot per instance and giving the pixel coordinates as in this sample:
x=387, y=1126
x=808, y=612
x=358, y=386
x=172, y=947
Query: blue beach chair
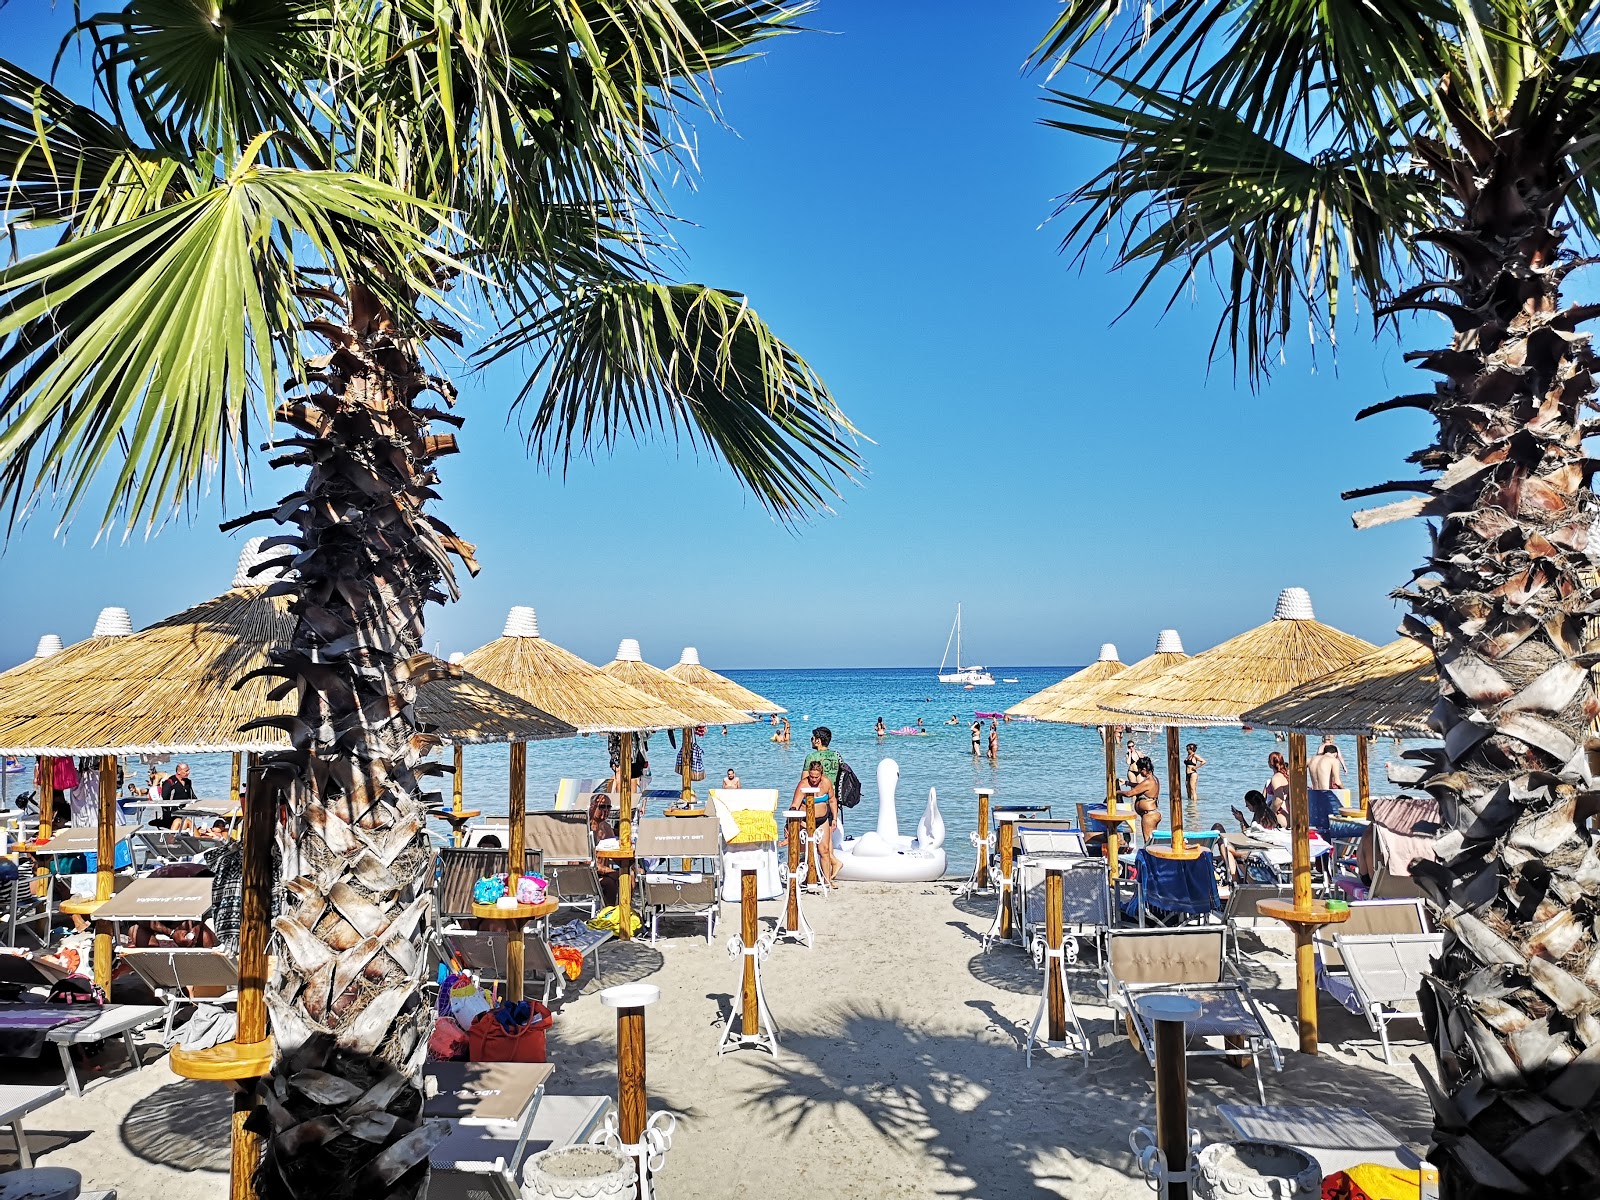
x=1174, y=891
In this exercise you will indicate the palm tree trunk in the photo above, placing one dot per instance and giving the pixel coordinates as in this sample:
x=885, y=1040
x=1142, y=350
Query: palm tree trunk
x=1506, y=598
x=342, y=1110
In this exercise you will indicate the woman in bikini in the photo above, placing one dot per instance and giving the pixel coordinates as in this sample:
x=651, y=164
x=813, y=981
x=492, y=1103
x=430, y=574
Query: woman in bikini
x=1277, y=789
x=1145, y=792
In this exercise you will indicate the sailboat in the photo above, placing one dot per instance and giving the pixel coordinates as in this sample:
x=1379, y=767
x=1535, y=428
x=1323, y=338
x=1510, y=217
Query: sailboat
x=971, y=676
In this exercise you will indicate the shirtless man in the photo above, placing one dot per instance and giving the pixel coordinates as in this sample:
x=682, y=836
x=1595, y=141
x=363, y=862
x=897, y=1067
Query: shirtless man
x=827, y=812
x=1325, y=778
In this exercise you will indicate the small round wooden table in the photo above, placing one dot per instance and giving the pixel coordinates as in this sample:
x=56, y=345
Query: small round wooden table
x=1304, y=921
x=509, y=921
x=685, y=811
x=1168, y=850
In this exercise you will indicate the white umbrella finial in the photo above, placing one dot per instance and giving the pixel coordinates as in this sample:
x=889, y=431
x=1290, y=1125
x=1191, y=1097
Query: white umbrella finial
x=628, y=650
x=113, y=622
x=1294, y=604
x=689, y=658
x=251, y=556
x=1108, y=652
x=521, y=621
x=1168, y=642
x=456, y=657
x=49, y=644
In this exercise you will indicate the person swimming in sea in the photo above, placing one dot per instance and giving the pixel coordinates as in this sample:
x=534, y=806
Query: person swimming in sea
x=879, y=728
x=955, y=719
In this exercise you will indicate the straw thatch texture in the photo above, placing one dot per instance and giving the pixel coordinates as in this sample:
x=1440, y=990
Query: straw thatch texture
x=169, y=689
x=724, y=689
x=1390, y=692
x=1065, y=690
x=564, y=685
x=1083, y=706
x=1216, y=687
x=702, y=708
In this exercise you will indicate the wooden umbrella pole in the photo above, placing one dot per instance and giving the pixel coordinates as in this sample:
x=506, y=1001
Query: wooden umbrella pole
x=47, y=798
x=981, y=880
x=104, y=867
x=625, y=793
x=233, y=781
x=810, y=801
x=458, y=830
x=1364, y=773
x=1300, y=857
x=1110, y=734
x=1174, y=779
x=791, y=912
x=1055, y=931
x=256, y=834
x=687, y=793
x=749, y=933
x=517, y=815
x=1008, y=833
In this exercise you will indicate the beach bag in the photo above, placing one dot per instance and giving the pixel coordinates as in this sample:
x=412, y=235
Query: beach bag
x=606, y=920
x=487, y=891
x=531, y=889
x=848, y=790
x=76, y=990
x=467, y=1001
x=513, y=1032
x=65, y=776
x=448, y=1042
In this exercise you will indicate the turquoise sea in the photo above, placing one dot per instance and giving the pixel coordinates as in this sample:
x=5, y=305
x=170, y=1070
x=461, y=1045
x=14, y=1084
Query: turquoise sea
x=1038, y=763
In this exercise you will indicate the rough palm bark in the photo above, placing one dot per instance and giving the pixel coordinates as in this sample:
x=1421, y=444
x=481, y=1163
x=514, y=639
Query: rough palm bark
x=342, y=1111
x=1507, y=598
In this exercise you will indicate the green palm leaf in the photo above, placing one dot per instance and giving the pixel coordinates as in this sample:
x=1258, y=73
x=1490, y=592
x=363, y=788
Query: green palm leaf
x=636, y=358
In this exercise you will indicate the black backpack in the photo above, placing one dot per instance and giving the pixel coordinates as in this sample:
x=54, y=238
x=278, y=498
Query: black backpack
x=848, y=789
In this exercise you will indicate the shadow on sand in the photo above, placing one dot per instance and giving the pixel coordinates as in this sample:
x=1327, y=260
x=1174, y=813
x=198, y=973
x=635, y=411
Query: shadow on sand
x=185, y=1125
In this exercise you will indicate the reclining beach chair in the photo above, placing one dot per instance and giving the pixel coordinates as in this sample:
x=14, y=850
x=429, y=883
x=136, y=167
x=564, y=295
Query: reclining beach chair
x=1386, y=972
x=168, y=846
x=26, y=907
x=568, y=849
x=572, y=795
x=173, y=971
x=1188, y=962
x=671, y=889
x=1085, y=903
x=1175, y=891
x=1240, y=912
x=752, y=846
x=1368, y=918
x=461, y=867
x=484, y=954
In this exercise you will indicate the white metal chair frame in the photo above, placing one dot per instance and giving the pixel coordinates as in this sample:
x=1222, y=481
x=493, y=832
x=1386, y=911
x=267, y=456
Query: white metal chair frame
x=1380, y=1008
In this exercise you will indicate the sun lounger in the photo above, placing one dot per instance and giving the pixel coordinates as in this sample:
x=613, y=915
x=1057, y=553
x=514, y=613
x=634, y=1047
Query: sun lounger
x=1240, y=910
x=168, y=846
x=670, y=889
x=1366, y=917
x=114, y=1020
x=26, y=906
x=460, y=868
x=1176, y=890
x=568, y=849
x=1085, y=901
x=742, y=855
x=1188, y=962
x=1386, y=972
x=484, y=954
x=16, y=1102
x=172, y=972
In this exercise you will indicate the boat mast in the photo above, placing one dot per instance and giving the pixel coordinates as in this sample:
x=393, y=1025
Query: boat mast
x=958, y=635
x=945, y=658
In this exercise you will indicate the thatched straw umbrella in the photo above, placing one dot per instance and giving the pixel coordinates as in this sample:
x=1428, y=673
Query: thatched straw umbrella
x=688, y=669
x=1103, y=668
x=49, y=644
x=1389, y=692
x=525, y=664
x=1217, y=688
x=701, y=707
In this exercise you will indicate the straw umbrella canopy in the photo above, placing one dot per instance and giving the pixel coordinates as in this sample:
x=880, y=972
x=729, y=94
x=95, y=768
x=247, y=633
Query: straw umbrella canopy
x=1261, y=664
x=1103, y=668
x=689, y=670
x=1389, y=692
x=1083, y=705
x=701, y=707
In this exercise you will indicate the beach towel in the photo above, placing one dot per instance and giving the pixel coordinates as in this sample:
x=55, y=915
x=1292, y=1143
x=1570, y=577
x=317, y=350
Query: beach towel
x=1172, y=888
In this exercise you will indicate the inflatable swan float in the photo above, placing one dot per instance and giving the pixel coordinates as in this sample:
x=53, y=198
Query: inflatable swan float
x=883, y=854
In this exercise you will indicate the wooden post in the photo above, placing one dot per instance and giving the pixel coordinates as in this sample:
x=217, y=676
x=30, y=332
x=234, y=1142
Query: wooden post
x=1364, y=774
x=105, y=867
x=687, y=794
x=982, y=877
x=791, y=914
x=1110, y=734
x=812, y=878
x=1300, y=857
x=1174, y=786
x=458, y=828
x=1054, y=931
x=1172, y=1102
x=517, y=819
x=632, y=1107
x=47, y=798
x=625, y=839
x=749, y=931
x=233, y=780
x=257, y=831
x=1008, y=833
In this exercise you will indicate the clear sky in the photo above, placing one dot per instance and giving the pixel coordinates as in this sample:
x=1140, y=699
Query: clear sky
x=883, y=197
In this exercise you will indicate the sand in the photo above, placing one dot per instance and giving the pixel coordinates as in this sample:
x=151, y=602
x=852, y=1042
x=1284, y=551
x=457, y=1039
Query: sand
x=901, y=1071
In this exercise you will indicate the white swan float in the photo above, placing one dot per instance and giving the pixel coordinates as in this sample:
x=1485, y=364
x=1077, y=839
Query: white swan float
x=883, y=854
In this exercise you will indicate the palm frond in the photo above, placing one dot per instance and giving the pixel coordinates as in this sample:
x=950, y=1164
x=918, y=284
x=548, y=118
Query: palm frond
x=1194, y=186
x=145, y=349
x=632, y=358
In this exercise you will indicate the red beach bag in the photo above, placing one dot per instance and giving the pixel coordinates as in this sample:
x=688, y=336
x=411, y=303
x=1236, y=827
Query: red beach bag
x=511, y=1032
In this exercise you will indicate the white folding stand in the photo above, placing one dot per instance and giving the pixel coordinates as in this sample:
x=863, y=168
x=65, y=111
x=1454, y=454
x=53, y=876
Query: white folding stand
x=1049, y=952
x=751, y=949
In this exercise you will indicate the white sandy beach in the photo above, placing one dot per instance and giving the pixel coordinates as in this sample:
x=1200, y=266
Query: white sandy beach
x=901, y=1072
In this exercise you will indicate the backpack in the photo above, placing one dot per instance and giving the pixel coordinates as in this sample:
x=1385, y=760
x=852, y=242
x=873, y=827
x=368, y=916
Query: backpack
x=848, y=788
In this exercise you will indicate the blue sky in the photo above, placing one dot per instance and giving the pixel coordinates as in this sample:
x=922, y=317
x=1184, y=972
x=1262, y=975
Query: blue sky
x=883, y=198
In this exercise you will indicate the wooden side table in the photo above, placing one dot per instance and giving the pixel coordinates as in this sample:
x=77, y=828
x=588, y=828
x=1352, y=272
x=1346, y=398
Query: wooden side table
x=1303, y=920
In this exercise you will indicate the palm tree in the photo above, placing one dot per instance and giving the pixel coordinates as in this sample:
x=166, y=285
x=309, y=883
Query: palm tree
x=1418, y=156
x=323, y=192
